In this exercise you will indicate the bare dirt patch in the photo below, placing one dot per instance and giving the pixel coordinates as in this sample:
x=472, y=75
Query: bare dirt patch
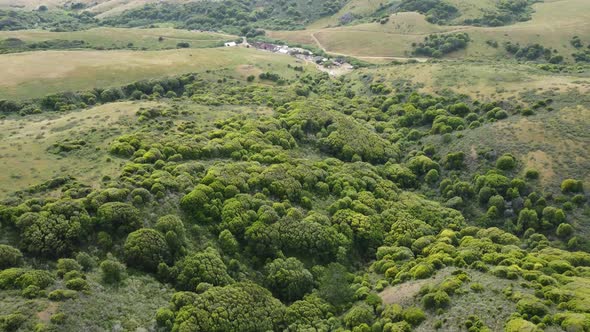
x=405, y=293
x=45, y=315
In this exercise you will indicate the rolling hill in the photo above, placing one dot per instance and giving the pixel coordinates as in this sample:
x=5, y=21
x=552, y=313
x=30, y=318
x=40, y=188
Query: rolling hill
x=424, y=168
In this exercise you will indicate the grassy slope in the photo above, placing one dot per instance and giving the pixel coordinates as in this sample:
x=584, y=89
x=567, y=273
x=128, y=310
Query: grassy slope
x=130, y=306
x=24, y=143
x=490, y=304
x=481, y=80
x=355, y=7
x=119, y=37
x=113, y=7
x=553, y=24
x=29, y=4
x=556, y=143
x=393, y=39
x=35, y=74
x=100, y=7
x=472, y=9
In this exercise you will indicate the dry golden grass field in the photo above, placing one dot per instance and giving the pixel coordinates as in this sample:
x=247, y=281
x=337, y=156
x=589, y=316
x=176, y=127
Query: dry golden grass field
x=121, y=37
x=36, y=74
x=102, y=8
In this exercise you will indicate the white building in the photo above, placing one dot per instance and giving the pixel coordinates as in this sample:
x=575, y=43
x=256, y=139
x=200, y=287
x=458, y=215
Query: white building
x=230, y=44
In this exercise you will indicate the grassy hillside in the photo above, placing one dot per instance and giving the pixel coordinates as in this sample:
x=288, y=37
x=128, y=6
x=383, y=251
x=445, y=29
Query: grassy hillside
x=29, y=149
x=382, y=203
x=232, y=16
x=100, y=7
x=480, y=79
x=558, y=21
x=353, y=10
x=35, y=74
x=111, y=38
x=153, y=181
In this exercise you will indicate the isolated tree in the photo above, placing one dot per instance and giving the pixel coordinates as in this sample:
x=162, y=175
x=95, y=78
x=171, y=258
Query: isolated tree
x=455, y=160
x=564, y=231
x=112, y=271
x=528, y=218
x=506, y=162
x=571, y=186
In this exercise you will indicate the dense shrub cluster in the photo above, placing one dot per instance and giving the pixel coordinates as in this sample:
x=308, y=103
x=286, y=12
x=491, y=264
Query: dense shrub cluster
x=533, y=52
x=299, y=219
x=441, y=12
x=235, y=16
x=441, y=44
x=436, y=11
x=56, y=21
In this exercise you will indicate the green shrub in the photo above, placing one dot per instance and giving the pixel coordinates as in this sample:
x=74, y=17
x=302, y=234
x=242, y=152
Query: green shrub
x=228, y=242
x=119, y=217
x=86, y=261
x=414, y=316
x=65, y=265
x=206, y=266
x=432, y=176
x=359, y=314
x=78, y=284
x=288, y=279
x=62, y=294
x=520, y=325
x=422, y=271
x=165, y=318
x=436, y=300
x=145, y=249
x=477, y=287
x=571, y=186
x=579, y=199
x=39, y=278
x=570, y=321
x=58, y=318
x=531, y=306
x=531, y=174
x=9, y=257
x=235, y=307
x=112, y=271
x=31, y=292
x=564, y=231
x=560, y=266
x=506, y=162
x=450, y=285
x=12, y=322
